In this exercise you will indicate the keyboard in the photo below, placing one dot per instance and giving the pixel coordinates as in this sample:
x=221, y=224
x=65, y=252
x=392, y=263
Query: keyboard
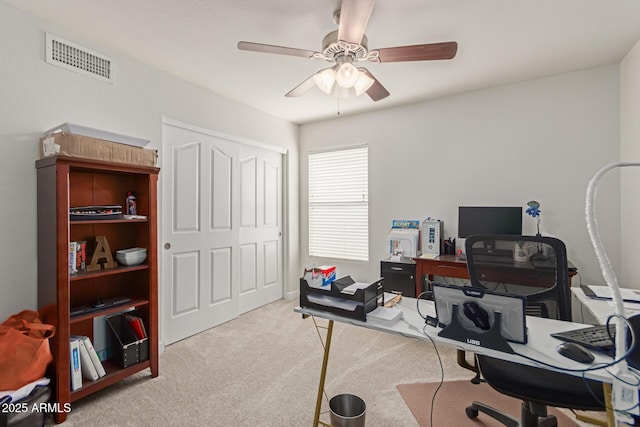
x=592, y=337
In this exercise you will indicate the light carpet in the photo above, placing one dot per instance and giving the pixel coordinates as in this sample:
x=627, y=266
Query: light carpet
x=454, y=396
x=262, y=370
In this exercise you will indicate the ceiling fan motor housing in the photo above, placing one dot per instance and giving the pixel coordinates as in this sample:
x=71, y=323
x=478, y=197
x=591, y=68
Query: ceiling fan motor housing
x=333, y=48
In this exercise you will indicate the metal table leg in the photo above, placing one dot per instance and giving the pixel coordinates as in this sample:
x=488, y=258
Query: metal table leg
x=323, y=374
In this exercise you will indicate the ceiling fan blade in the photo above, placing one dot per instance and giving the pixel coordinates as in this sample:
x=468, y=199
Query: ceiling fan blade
x=376, y=92
x=302, y=87
x=419, y=52
x=267, y=48
x=354, y=16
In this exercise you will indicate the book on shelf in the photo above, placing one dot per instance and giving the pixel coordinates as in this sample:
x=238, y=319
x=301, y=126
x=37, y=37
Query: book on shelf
x=93, y=355
x=75, y=362
x=81, y=255
x=137, y=325
x=72, y=258
x=86, y=365
x=77, y=256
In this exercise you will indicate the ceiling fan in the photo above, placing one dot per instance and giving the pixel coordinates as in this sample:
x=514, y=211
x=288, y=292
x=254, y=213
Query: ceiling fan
x=348, y=45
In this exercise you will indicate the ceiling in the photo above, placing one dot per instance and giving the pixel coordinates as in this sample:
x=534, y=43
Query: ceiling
x=499, y=41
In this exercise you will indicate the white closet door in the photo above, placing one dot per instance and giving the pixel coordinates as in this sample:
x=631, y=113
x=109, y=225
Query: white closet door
x=221, y=230
x=199, y=174
x=260, y=227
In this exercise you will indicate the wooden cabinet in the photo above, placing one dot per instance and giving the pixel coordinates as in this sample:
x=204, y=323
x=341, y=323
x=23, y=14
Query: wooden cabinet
x=65, y=182
x=443, y=265
x=399, y=276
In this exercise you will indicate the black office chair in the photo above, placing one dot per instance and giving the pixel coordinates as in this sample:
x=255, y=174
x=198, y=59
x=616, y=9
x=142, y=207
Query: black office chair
x=536, y=267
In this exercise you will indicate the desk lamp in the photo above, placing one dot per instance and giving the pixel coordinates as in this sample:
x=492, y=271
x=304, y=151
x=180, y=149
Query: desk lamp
x=620, y=369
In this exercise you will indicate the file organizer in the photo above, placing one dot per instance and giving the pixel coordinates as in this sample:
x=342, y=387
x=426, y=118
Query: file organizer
x=367, y=299
x=126, y=348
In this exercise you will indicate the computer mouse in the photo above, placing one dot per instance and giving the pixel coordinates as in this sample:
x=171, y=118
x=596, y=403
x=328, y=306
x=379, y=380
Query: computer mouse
x=575, y=351
x=477, y=315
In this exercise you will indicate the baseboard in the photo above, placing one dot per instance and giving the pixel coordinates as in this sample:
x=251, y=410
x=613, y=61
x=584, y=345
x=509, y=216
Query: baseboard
x=292, y=295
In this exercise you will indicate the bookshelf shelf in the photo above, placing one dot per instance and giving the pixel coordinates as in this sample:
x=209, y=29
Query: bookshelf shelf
x=64, y=182
x=108, y=221
x=114, y=374
x=106, y=272
x=104, y=312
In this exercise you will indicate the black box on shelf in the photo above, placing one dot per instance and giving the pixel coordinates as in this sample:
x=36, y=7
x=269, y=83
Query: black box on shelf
x=126, y=348
x=333, y=299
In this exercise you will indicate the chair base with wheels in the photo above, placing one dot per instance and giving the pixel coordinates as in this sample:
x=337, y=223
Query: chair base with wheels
x=531, y=414
x=537, y=388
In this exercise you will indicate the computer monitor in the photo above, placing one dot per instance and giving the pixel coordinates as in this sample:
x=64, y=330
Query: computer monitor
x=475, y=220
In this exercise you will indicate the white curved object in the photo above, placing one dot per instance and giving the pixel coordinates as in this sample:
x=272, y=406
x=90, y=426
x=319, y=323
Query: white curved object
x=603, y=259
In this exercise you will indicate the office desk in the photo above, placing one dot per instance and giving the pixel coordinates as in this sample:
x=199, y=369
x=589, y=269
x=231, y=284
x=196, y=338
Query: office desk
x=600, y=309
x=540, y=346
x=452, y=266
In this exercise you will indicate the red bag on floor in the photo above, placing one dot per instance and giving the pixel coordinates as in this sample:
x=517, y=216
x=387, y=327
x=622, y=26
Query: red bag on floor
x=24, y=349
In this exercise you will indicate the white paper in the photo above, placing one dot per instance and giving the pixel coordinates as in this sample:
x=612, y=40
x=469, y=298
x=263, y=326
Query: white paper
x=605, y=292
x=314, y=281
x=353, y=288
x=328, y=301
x=49, y=147
x=385, y=314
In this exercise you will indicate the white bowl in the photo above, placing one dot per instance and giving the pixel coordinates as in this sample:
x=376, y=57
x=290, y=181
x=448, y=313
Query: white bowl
x=131, y=251
x=133, y=258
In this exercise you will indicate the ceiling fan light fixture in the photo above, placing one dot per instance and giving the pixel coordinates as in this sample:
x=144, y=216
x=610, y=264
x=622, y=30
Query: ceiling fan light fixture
x=363, y=83
x=347, y=75
x=324, y=79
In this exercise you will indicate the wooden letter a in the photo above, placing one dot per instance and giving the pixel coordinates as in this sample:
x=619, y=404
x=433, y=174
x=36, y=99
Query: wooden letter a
x=102, y=252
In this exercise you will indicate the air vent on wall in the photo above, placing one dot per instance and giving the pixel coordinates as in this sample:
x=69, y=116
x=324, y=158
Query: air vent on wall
x=74, y=57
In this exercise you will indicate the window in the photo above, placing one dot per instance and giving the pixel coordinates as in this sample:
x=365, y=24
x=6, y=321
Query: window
x=339, y=204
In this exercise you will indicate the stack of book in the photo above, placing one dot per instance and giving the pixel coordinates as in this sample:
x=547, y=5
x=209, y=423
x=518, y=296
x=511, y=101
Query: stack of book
x=77, y=256
x=137, y=325
x=84, y=361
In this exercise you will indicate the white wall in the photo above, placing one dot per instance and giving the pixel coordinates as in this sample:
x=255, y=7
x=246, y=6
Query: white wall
x=36, y=96
x=536, y=140
x=629, y=275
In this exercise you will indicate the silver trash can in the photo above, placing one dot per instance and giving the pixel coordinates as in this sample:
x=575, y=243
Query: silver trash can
x=347, y=410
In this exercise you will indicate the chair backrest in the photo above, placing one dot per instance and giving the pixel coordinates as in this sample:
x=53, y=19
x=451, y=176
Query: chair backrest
x=533, y=266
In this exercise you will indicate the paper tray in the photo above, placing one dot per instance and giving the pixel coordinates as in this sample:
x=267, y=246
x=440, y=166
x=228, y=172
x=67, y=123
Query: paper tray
x=331, y=299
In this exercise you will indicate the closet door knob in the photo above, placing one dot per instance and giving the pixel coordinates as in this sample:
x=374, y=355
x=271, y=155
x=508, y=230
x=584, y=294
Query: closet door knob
x=167, y=245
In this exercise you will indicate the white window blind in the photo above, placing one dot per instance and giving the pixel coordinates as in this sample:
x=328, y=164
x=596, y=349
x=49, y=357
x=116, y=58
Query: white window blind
x=339, y=204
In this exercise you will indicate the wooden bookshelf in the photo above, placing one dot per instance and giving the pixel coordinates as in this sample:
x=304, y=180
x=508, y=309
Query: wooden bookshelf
x=65, y=182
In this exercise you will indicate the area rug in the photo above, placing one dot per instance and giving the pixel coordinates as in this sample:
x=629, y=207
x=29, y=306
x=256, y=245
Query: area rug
x=452, y=399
